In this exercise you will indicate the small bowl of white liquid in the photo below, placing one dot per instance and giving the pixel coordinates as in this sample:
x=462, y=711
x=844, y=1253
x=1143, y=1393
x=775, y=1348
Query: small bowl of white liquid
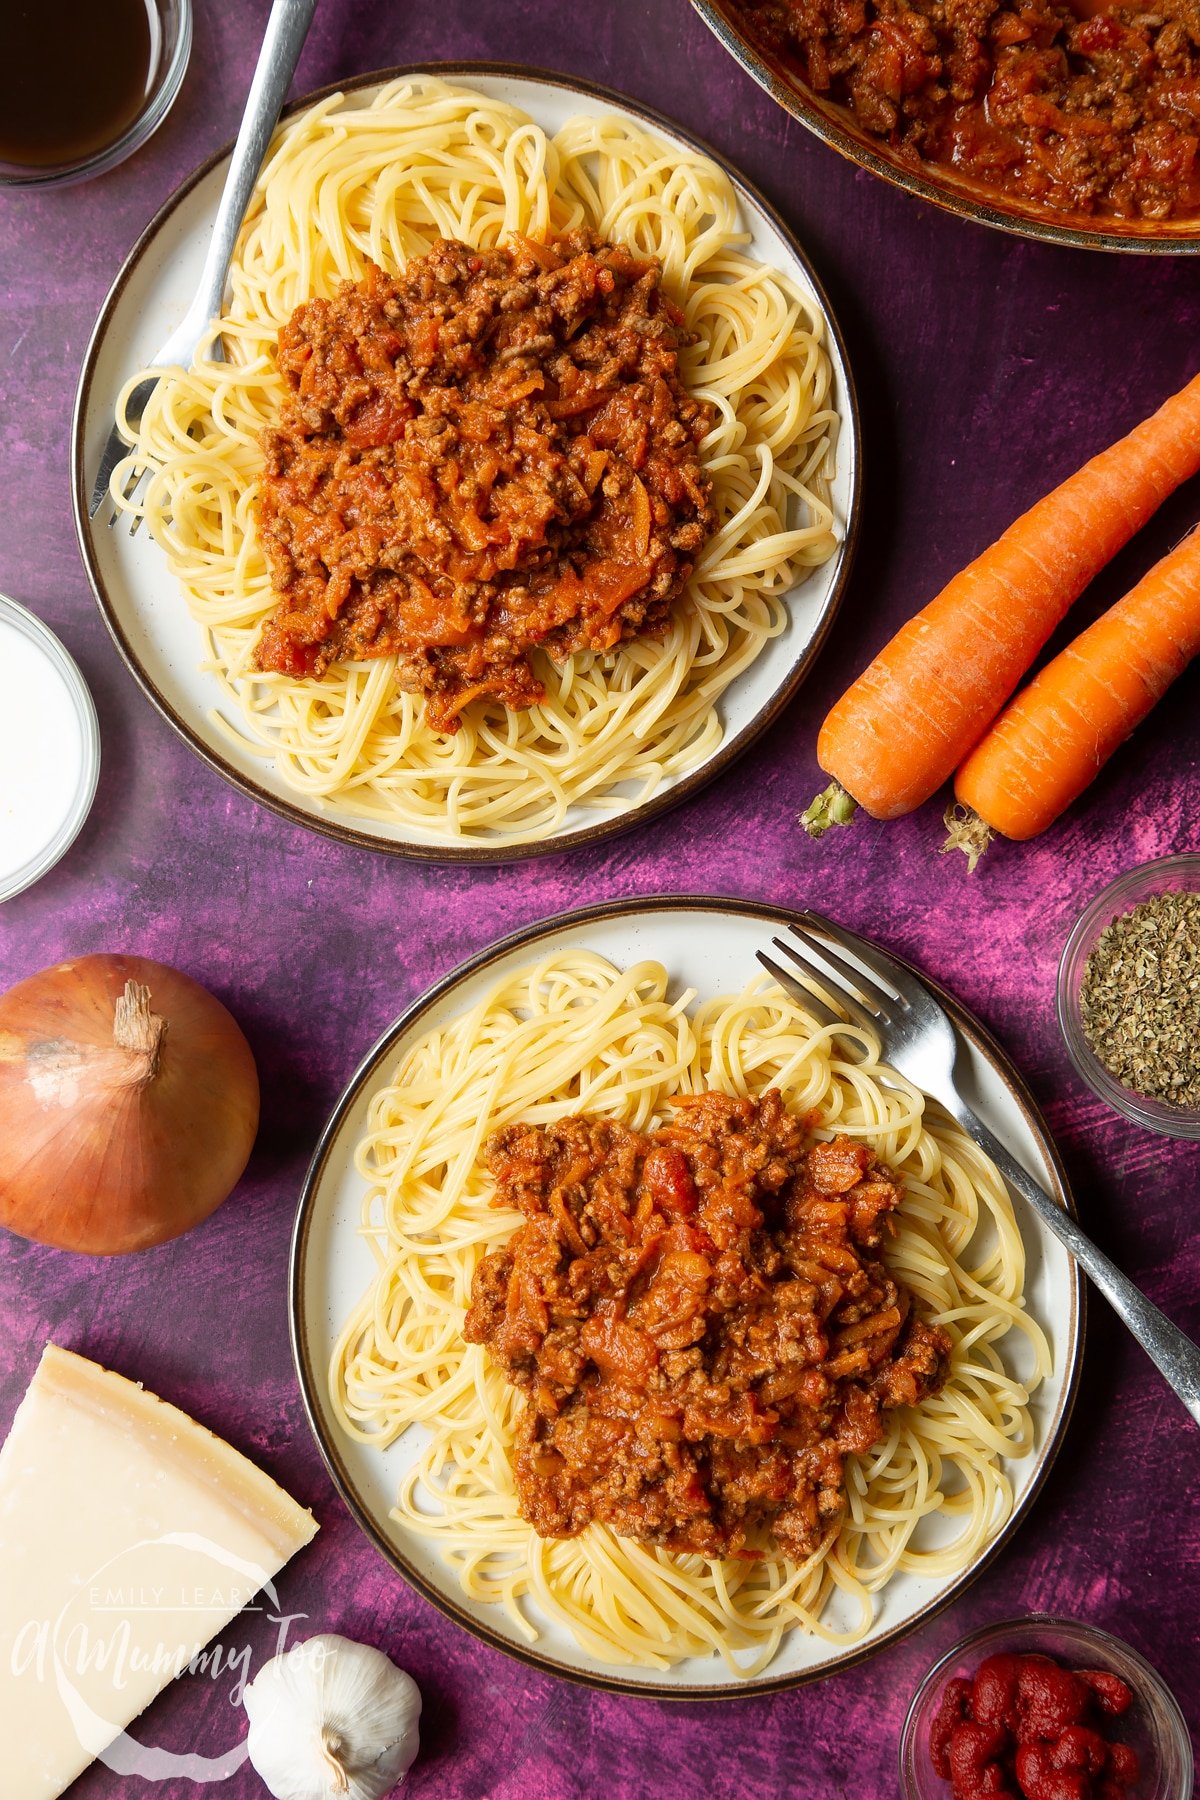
x=49, y=749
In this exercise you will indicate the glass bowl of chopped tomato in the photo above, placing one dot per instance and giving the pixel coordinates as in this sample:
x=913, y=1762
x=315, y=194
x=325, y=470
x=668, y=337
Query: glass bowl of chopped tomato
x=1044, y=1709
x=1129, y=995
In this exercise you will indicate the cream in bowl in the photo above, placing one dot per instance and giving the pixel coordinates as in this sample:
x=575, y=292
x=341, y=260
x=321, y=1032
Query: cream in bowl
x=49, y=749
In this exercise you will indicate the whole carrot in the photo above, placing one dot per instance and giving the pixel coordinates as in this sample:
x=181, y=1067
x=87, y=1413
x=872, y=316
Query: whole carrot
x=905, y=725
x=1060, y=731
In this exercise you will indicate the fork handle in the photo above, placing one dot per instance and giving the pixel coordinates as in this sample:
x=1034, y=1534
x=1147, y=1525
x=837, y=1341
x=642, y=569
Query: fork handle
x=287, y=28
x=1177, y=1358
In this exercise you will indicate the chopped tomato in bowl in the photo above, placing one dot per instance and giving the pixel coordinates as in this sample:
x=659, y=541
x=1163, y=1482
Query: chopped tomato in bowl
x=1044, y=1709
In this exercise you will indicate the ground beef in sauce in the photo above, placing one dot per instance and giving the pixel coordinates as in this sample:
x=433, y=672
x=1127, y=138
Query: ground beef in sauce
x=701, y=1321
x=490, y=452
x=1086, y=109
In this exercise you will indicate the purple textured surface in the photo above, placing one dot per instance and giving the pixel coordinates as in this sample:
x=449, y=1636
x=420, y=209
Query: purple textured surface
x=988, y=368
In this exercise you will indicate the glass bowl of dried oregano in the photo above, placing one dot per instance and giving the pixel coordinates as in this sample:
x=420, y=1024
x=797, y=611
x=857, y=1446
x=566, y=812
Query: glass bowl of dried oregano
x=1129, y=995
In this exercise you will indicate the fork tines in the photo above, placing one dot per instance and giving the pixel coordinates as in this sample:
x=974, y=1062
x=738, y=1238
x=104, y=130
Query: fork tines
x=135, y=484
x=814, y=1001
x=862, y=996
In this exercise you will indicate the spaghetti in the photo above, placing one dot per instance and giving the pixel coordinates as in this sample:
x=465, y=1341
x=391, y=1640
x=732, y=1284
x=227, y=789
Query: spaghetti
x=572, y=1034
x=347, y=185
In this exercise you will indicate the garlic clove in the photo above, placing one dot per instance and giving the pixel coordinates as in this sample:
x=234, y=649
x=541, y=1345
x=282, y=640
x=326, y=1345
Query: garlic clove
x=331, y=1719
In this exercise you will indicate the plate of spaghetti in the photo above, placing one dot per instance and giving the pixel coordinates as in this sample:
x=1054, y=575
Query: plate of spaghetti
x=515, y=491
x=659, y=1335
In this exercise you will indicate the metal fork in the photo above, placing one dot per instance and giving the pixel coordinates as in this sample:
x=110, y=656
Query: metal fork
x=286, y=31
x=917, y=1037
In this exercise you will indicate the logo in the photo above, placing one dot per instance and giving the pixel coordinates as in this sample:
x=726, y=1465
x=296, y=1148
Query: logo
x=122, y=1637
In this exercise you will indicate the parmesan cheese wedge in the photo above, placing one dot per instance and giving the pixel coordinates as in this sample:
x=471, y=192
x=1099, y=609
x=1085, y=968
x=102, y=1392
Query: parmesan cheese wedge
x=129, y=1536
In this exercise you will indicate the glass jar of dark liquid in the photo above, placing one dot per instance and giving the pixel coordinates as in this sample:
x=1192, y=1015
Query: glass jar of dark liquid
x=84, y=82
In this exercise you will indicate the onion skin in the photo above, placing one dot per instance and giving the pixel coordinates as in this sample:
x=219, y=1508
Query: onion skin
x=106, y=1146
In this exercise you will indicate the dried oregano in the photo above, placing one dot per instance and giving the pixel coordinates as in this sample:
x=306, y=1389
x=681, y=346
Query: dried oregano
x=1140, y=998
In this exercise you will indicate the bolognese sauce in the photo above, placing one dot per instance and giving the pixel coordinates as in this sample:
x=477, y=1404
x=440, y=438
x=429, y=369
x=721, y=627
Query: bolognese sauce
x=490, y=452
x=1084, y=109
x=702, y=1323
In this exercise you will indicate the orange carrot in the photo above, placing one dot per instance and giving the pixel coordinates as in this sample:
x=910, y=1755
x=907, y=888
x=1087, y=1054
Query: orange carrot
x=905, y=725
x=1060, y=731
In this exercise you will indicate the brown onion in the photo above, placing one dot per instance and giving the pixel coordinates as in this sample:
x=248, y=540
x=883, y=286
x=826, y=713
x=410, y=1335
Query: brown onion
x=128, y=1104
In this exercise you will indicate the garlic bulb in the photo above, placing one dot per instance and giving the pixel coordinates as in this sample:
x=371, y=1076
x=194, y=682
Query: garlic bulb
x=332, y=1720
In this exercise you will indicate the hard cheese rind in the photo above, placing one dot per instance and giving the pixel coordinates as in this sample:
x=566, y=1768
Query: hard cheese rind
x=129, y=1536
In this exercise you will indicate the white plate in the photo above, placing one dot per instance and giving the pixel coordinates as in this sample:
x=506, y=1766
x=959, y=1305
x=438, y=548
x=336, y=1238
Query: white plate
x=141, y=602
x=709, y=945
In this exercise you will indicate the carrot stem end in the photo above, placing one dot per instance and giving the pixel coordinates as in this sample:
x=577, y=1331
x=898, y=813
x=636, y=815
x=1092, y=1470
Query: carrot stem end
x=832, y=806
x=967, y=832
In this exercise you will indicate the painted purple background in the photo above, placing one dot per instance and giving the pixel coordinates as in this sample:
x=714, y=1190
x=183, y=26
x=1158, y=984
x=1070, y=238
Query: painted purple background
x=987, y=368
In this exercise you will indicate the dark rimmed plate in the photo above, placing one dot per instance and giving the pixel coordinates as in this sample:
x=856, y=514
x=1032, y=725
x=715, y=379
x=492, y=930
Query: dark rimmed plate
x=149, y=621
x=708, y=944
x=969, y=200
